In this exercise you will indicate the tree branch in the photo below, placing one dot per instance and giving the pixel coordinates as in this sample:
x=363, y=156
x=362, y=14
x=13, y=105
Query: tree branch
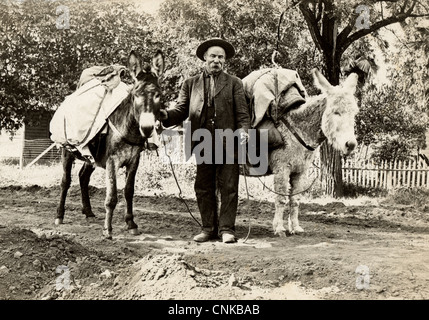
x=348, y=29
x=376, y=26
x=310, y=19
x=320, y=8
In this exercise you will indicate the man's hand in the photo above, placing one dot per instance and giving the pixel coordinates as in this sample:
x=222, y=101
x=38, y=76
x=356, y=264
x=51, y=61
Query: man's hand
x=244, y=137
x=163, y=114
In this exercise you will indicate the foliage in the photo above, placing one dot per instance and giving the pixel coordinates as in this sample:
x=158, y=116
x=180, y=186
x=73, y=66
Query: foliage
x=392, y=122
x=394, y=115
x=250, y=25
x=42, y=64
x=355, y=191
x=334, y=27
x=417, y=197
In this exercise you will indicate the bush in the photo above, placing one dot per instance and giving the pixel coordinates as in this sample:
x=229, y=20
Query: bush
x=354, y=191
x=417, y=197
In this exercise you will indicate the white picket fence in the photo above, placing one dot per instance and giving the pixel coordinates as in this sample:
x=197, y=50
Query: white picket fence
x=386, y=175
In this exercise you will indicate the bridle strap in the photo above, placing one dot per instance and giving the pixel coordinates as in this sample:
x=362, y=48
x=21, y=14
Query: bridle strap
x=123, y=137
x=297, y=136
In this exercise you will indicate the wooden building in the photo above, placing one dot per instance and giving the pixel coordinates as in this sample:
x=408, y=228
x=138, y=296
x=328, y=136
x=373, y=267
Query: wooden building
x=30, y=142
x=37, y=139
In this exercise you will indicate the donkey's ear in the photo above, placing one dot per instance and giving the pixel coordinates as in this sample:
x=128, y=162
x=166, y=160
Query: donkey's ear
x=134, y=64
x=320, y=81
x=351, y=82
x=158, y=63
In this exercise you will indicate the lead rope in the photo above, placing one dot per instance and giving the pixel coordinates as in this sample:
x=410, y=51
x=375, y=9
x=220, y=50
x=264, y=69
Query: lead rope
x=248, y=201
x=177, y=182
x=292, y=194
x=273, y=191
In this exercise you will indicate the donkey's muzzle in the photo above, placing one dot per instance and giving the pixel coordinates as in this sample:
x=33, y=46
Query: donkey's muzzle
x=350, y=146
x=147, y=124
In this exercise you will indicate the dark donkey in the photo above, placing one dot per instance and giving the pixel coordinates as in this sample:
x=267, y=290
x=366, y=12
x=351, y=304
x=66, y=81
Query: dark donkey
x=129, y=127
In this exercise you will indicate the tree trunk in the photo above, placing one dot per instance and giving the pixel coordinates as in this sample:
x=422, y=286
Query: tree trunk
x=331, y=171
x=323, y=21
x=331, y=166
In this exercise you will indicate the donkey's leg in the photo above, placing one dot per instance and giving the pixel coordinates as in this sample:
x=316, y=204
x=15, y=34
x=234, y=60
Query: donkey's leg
x=84, y=177
x=67, y=160
x=296, y=182
x=111, y=197
x=281, y=190
x=129, y=194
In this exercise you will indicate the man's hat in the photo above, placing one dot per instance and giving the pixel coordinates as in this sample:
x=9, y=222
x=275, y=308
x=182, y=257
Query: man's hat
x=218, y=42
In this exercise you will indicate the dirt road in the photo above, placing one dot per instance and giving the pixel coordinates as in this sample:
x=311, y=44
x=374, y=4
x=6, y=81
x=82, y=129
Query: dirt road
x=366, y=251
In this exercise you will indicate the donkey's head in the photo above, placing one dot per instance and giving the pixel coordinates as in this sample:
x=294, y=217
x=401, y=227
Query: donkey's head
x=146, y=93
x=338, y=120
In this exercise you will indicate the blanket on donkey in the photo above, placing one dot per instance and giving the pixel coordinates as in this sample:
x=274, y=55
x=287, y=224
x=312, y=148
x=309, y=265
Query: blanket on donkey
x=260, y=90
x=274, y=140
x=84, y=113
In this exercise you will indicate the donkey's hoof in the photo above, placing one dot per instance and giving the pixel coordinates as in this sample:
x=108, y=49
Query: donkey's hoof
x=280, y=233
x=107, y=234
x=58, y=221
x=134, y=232
x=91, y=219
x=298, y=230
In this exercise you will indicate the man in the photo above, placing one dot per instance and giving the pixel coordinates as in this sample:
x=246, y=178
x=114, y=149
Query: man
x=213, y=100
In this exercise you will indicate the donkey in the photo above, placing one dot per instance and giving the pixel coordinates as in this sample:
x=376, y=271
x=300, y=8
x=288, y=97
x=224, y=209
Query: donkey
x=130, y=125
x=329, y=116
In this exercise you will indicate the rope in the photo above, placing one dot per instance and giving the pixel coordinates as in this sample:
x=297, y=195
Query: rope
x=177, y=182
x=184, y=201
x=248, y=200
x=292, y=194
x=269, y=189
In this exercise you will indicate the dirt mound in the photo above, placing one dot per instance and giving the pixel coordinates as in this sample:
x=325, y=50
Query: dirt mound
x=163, y=262
x=170, y=277
x=155, y=277
x=167, y=277
x=29, y=261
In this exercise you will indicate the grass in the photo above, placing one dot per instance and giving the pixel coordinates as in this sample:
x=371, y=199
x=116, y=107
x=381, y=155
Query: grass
x=155, y=178
x=354, y=191
x=416, y=197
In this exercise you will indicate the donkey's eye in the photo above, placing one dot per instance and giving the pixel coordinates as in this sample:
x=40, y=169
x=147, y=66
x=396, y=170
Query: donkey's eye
x=156, y=97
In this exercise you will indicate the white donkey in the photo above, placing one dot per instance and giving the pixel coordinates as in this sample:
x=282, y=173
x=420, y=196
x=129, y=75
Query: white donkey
x=329, y=116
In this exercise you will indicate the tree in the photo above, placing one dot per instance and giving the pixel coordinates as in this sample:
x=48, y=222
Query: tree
x=334, y=26
x=41, y=60
x=251, y=25
x=394, y=116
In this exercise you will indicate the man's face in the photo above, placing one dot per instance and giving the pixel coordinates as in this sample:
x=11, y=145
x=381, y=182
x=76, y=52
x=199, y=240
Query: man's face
x=215, y=59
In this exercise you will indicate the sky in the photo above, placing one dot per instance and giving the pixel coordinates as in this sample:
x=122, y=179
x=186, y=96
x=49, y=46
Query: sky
x=149, y=6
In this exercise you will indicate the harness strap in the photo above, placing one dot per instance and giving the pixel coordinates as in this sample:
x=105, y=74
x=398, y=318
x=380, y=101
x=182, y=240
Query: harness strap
x=276, y=99
x=125, y=139
x=297, y=136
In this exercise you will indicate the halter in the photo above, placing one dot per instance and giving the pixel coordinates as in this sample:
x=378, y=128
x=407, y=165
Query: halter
x=143, y=143
x=296, y=135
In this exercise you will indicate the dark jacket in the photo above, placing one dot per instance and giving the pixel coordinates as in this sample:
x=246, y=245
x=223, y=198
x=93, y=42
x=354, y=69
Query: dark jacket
x=232, y=111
